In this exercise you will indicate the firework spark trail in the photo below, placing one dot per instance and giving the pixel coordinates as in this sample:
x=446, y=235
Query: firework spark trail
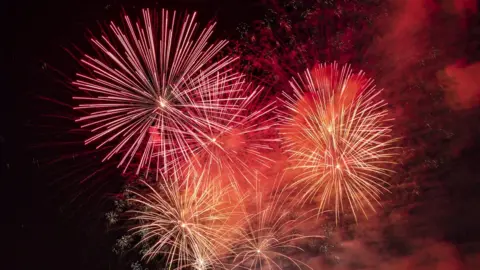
x=338, y=134
x=237, y=147
x=188, y=222
x=141, y=96
x=268, y=236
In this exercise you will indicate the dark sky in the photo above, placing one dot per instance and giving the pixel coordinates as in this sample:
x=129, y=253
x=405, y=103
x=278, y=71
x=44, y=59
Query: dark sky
x=41, y=235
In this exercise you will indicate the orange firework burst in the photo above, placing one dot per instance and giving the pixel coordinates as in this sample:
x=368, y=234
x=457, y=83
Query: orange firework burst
x=338, y=136
x=187, y=222
x=269, y=238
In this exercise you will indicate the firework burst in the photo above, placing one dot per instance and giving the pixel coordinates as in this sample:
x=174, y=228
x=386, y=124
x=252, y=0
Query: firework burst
x=144, y=85
x=338, y=136
x=188, y=223
x=235, y=142
x=269, y=238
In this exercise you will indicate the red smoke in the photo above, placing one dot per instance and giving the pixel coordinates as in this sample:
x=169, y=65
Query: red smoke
x=461, y=84
x=461, y=8
x=404, y=33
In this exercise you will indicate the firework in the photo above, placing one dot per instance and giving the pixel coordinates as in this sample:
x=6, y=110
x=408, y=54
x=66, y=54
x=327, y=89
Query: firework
x=236, y=147
x=269, y=238
x=144, y=85
x=187, y=222
x=338, y=136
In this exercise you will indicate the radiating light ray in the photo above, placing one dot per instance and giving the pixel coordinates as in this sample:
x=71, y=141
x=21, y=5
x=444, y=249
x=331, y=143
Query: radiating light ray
x=234, y=142
x=269, y=234
x=337, y=133
x=187, y=221
x=141, y=96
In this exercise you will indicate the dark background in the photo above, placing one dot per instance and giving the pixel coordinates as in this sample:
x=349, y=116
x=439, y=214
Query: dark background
x=40, y=229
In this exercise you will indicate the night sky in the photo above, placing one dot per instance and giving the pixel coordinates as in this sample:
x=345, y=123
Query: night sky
x=47, y=230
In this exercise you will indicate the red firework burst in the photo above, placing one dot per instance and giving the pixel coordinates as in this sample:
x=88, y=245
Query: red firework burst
x=235, y=143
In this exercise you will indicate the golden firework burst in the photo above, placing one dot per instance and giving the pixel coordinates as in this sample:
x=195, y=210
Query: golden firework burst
x=189, y=222
x=270, y=236
x=338, y=135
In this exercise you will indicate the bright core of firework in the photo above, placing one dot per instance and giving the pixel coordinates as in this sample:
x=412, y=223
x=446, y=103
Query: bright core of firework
x=338, y=136
x=144, y=84
x=268, y=238
x=188, y=222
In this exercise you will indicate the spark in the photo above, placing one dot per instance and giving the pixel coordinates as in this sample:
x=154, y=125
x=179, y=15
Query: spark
x=143, y=86
x=187, y=222
x=338, y=136
x=268, y=237
x=235, y=140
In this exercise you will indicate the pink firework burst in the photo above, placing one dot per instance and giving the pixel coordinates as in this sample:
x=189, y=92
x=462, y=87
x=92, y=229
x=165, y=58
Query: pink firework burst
x=140, y=99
